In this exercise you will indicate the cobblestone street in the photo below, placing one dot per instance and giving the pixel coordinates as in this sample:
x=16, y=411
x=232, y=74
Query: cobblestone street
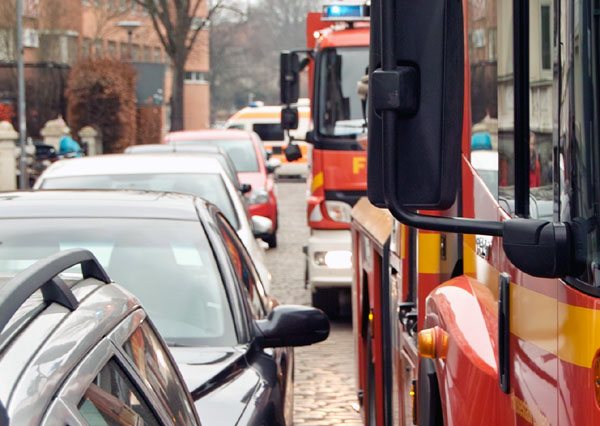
x=325, y=389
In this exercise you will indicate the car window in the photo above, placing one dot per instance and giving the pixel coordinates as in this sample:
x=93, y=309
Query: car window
x=112, y=399
x=152, y=362
x=241, y=151
x=269, y=131
x=168, y=264
x=244, y=268
x=206, y=185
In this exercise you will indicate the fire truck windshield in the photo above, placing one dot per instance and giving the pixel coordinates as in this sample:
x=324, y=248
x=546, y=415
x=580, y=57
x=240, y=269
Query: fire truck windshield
x=340, y=109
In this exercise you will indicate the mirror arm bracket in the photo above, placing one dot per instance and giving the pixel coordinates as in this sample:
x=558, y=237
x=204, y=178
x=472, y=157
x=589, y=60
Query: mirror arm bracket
x=396, y=90
x=446, y=224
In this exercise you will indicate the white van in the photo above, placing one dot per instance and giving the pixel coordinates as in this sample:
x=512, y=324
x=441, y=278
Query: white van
x=265, y=120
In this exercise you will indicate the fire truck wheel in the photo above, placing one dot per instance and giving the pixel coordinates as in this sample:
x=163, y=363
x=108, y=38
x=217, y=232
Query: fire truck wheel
x=271, y=240
x=429, y=400
x=327, y=300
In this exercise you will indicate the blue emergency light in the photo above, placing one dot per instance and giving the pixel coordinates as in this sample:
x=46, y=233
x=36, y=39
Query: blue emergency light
x=345, y=12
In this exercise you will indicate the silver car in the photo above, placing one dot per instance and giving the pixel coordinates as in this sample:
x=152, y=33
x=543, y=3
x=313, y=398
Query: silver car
x=203, y=177
x=83, y=351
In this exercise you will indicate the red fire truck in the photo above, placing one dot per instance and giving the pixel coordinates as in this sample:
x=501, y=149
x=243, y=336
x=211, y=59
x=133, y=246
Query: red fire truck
x=336, y=58
x=476, y=289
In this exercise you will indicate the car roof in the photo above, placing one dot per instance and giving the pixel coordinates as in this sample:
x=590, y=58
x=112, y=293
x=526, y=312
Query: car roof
x=132, y=164
x=99, y=203
x=36, y=331
x=175, y=147
x=211, y=134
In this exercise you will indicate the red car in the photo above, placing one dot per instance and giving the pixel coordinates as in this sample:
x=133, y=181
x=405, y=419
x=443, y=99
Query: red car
x=253, y=167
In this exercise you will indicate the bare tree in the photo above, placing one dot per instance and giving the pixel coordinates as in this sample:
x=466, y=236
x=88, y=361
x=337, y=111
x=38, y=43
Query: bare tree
x=245, y=53
x=178, y=24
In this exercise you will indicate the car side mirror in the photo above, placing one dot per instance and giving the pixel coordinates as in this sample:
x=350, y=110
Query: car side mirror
x=292, y=152
x=245, y=188
x=272, y=164
x=291, y=325
x=261, y=226
x=289, y=77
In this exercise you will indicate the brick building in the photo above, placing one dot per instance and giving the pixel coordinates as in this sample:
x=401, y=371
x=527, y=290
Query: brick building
x=64, y=31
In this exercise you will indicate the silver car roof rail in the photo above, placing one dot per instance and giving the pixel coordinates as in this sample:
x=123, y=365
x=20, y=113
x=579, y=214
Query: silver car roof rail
x=3, y=415
x=44, y=275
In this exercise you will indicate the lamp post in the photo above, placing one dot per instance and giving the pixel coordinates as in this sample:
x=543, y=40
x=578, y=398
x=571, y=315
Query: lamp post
x=21, y=96
x=130, y=27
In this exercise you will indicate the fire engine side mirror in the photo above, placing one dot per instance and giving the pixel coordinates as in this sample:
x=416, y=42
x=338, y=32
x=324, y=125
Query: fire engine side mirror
x=289, y=77
x=289, y=118
x=415, y=103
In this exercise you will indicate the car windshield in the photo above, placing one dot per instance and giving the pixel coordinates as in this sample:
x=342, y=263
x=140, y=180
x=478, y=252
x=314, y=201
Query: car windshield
x=340, y=108
x=167, y=264
x=206, y=185
x=269, y=131
x=242, y=152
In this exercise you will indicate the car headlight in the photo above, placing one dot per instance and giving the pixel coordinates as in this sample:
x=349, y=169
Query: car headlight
x=335, y=259
x=258, y=196
x=339, y=211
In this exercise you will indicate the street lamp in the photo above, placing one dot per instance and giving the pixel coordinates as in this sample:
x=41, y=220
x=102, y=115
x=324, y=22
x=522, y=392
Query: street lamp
x=130, y=27
x=21, y=96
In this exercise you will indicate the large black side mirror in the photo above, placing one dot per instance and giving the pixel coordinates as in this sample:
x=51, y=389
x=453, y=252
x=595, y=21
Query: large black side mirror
x=291, y=325
x=416, y=92
x=289, y=77
x=289, y=118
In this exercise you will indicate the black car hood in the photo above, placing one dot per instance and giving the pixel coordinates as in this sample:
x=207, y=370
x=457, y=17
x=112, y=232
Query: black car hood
x=220, y=381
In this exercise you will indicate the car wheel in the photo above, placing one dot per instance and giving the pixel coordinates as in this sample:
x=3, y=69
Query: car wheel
x=271, y=240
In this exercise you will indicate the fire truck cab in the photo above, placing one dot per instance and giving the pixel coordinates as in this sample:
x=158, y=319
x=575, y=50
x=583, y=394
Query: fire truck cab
x=476, y=286
x=336, y=58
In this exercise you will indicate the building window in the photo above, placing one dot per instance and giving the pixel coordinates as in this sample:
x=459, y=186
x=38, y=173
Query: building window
x=478, y=38
x=545, y=26
x=194, y=76
x=98, y=49
x=86, y=47
x=135, y=52
x=31, y=38
x=492, y=44
x=7, y=45
x=157, y=55
x=110, y=4
x=122, y=5
x=124, y=51
x=112, y=49
x=98, y=3
x=147, y=54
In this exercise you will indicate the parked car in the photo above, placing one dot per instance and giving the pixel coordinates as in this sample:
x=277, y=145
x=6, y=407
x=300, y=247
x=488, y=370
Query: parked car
x=180, y=256
x=83, y=351
x=203, y=177
x=248, y=154
x=205, y=150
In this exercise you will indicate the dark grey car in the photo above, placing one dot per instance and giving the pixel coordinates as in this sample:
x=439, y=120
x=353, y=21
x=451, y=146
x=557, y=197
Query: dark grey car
x=83, y=352
x=181, y=258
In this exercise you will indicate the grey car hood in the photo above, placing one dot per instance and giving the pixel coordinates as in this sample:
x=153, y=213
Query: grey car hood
x=220, y=381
